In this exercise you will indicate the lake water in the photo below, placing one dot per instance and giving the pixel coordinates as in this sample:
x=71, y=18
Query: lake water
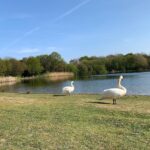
x=136, y=83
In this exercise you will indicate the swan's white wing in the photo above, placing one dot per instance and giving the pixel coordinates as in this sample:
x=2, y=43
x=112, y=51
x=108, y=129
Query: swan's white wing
x=65, y=89
x=112, y=93
x=68, y=89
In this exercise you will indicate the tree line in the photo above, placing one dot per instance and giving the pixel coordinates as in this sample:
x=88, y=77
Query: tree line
x=84, y=66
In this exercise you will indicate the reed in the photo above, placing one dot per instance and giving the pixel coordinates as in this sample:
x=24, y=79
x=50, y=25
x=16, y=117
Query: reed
x=56, y=76
x=9, y=79
x=53, y=76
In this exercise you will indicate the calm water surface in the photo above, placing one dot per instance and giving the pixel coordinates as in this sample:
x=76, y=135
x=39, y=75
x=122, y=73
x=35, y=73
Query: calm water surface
x=136, y=83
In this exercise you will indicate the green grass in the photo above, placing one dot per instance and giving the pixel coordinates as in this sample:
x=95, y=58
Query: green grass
x=44, y=121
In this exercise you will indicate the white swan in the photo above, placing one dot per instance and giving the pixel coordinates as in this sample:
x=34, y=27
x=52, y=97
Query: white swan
x=115, y=93
x=68, y=89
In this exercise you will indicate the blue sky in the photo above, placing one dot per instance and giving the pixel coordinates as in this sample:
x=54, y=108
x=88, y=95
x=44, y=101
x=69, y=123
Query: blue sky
x=74, y=28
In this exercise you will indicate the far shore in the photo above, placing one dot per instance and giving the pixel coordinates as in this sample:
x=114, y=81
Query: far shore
x=53, y=76
x=9, y=79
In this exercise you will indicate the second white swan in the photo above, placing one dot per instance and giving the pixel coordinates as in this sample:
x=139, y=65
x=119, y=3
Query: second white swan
x=114, y=93
x=68, y=89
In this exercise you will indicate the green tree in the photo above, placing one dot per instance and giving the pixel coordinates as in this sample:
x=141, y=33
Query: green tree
x=141, y=63
x=72, y=68
x=136, y=62
x=44, y=62
x=56, y=62
x=3, y=68
x=82, y=70
x=17, y=67
x=34, y=66
x=8, y=67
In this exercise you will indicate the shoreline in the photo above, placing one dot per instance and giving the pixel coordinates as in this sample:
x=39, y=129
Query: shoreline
x=9, y=79
x=53, y=76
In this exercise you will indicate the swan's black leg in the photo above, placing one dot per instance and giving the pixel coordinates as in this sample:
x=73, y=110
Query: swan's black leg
x=113, y=101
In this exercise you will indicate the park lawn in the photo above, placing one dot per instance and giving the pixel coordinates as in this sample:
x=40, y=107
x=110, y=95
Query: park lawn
x=78, y=122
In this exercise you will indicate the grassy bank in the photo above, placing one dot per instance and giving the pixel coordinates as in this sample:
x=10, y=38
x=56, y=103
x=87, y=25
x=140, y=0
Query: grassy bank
x=44, y=121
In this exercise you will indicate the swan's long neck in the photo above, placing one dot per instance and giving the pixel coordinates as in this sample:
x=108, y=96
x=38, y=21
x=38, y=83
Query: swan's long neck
x=119, y=83
x=120, y=86
x=72, y=84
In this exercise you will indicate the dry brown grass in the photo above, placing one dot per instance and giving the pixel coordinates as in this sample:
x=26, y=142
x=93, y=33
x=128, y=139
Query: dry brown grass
x=55, y=76
x=8, y=80
x=12, y=99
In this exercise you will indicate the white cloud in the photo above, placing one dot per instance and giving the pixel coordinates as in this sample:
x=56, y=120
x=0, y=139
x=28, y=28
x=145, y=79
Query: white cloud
x=20, y=16
x=52, y=48
x=28, y=50
x=37, y=51
x=16, y=16
x=31, y=31
x=26, y=34
x=70, y=11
